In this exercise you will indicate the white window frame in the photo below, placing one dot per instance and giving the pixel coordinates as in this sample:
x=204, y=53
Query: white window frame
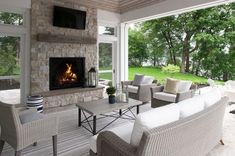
x=123, y=36
x=22, y=31
x=113, y=39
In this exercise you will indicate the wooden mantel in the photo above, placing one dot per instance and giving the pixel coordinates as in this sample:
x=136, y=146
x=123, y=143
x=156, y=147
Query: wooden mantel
x=65, y=39
x=68, y=91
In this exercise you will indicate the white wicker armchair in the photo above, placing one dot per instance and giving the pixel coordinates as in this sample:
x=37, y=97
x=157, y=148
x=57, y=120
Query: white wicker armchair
x=20, y=135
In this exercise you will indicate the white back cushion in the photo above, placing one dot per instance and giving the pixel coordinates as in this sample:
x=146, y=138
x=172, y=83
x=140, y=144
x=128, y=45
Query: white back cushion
x=152, y=119
x=184, y=86
x=147, y=80
x=212, y=97
x=231, y=84
x=191, y=106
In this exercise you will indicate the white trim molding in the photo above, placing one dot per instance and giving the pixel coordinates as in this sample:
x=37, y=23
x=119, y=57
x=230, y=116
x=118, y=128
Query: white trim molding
x=123, y=56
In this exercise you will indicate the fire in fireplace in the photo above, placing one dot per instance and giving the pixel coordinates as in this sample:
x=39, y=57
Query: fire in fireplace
x=68, y=76
x=66, y=72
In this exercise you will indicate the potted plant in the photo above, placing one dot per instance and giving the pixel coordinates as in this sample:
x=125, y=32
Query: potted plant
x=111, y=91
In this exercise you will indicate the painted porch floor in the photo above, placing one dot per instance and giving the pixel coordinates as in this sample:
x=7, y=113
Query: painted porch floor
x=73, y=141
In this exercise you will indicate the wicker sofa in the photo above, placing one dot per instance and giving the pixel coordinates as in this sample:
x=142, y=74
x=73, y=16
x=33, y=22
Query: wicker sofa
x=194, y=135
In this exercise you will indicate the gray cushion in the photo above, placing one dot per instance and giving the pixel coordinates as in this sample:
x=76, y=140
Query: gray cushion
x=147, y=80
x=29, y=116
x=138, y=79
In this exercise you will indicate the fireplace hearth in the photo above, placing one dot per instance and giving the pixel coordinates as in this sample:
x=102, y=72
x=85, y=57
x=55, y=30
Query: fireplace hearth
x=66, y=72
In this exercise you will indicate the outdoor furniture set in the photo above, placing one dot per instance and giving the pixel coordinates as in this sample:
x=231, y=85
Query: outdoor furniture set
x=190, y=127
x=145, y=88
x=23, y=127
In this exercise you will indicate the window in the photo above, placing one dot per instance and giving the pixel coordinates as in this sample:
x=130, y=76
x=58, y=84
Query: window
x=103, y=30
x=14, y=83
x=105, y=61
x=11, y=18
x=9, y=68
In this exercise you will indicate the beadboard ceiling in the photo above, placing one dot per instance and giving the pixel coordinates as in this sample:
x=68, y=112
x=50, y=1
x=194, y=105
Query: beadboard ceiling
x=127, y=5
x=119, y=6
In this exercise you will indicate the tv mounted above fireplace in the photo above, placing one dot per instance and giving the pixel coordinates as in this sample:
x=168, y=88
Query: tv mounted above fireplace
x=66, y=72
x=69, y=18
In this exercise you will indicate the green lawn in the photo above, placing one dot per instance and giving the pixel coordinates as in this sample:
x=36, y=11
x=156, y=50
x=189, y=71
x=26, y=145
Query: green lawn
x=159, y=75
x=106, y=76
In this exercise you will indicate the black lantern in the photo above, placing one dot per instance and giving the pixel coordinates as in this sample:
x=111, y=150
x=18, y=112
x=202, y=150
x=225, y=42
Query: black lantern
x=92, y=77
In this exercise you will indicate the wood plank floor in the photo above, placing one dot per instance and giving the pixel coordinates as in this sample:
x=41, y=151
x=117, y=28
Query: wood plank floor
x=73, y=141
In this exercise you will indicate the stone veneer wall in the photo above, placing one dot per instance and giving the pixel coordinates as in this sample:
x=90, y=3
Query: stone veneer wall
x=41, y=22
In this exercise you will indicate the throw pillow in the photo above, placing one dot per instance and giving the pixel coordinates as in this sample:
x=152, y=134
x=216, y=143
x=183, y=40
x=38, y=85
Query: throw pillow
x=147, y=80
x=138, y=80
x=184, y=86
x=152, y=119
x=171, y=86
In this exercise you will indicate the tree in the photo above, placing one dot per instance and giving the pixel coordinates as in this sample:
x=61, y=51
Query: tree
x=137, y=48
x=105, y=55
x=10, y=46
x=200, y=42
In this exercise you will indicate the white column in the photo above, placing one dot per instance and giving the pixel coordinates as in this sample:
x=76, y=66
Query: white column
x=123, y=51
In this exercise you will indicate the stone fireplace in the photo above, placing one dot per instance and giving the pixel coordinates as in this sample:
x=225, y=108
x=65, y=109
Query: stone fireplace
x=48, y=41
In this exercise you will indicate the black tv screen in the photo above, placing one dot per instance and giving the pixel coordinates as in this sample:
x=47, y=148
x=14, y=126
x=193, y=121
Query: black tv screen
x=69, y=18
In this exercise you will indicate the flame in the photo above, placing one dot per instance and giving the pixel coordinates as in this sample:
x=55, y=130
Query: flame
x=68, y=76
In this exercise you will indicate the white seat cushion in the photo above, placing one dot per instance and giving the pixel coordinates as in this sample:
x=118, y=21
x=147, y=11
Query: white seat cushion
x=123, y=131
x=132, y=89
x=191, y=106
x=29, y=116
x=184, y=86
x=152, y=119
x=164, y=96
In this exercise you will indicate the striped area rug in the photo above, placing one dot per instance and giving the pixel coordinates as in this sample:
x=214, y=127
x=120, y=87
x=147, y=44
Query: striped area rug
x=74, y=141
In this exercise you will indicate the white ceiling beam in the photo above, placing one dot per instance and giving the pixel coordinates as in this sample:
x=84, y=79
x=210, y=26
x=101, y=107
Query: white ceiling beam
x=168, y=8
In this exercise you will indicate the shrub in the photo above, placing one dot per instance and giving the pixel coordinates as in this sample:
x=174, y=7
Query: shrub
x=171, y=69
x=111, y=90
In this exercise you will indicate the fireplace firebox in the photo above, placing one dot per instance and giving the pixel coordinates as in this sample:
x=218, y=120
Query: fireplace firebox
x=66, y=72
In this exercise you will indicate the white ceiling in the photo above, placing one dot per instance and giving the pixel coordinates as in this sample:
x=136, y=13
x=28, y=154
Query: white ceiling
x=127, y=5
x=119, y=6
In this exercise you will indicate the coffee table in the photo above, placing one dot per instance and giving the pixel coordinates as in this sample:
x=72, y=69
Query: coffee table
x=101, y=107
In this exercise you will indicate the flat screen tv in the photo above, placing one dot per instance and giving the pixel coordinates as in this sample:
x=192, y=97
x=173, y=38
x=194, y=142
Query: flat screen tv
x=69, y=18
